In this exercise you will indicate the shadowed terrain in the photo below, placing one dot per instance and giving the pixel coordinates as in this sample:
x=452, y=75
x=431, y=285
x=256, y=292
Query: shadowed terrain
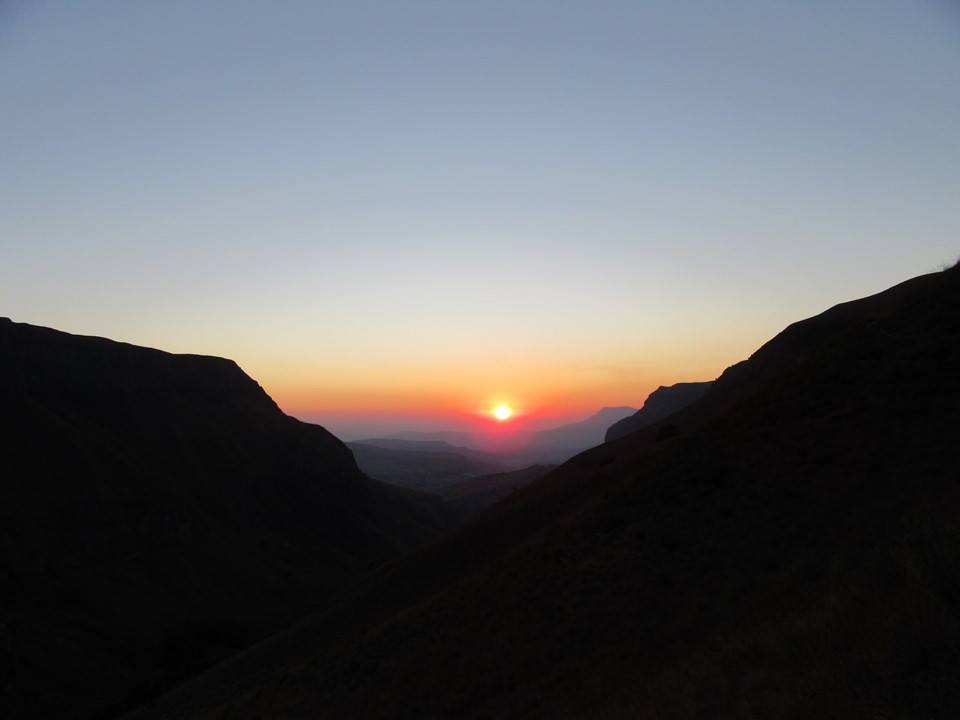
x=426, y=466
x=468, y=480
x=526, y=448
x=475, y=494
x=661, y=403
x=788, y=546
x=158, y=512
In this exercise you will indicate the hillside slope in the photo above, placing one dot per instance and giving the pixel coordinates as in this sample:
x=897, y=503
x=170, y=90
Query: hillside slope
x=158, y=512
x=478, y=493
x=789, y=548
x=662, y=402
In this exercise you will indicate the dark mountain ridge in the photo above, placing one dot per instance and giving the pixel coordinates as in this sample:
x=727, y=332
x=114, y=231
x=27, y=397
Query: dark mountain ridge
x=661, y=403
x=158, y=512
x=789, y=548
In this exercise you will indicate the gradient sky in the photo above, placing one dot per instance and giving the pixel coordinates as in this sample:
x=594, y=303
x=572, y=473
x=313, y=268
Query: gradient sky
x=399, y=213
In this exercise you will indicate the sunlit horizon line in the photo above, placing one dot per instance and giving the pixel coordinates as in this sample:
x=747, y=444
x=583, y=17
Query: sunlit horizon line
x=473, y=415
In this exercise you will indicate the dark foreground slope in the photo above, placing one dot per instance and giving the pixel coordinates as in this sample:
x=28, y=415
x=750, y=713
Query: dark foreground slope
x=159, y=511
x=790, y=548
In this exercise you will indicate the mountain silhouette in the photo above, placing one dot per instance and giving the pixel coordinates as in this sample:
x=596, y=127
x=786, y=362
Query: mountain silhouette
x=160, y=512
x=789, y=548
x=661, y=403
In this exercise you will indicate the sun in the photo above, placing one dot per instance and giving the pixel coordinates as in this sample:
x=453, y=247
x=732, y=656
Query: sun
x=502, y=412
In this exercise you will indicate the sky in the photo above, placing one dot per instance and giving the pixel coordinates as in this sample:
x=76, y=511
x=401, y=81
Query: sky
x=400, y=214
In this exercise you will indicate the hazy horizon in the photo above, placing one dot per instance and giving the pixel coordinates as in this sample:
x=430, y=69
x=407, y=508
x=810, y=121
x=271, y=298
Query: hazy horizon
x=398, y=217
x=360, y=427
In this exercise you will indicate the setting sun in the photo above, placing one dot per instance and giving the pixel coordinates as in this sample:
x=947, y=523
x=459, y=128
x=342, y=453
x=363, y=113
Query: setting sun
x=502, y=412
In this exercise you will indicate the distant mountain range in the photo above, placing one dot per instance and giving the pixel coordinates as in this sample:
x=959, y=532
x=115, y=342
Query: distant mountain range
x=427, y=466
x=423, y=461
x=434, y=446
x=429, y=462
x=561, y=443
x=468, y=480
x=787, y=546
x=157, y=513
x=545, y=446
x=456, y=438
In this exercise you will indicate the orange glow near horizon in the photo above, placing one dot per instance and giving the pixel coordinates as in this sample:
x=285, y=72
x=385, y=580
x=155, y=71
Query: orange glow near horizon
x=444, y=379
x=457, y=391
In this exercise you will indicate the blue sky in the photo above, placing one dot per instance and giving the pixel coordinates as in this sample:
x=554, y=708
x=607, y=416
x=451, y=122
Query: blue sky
x=414, y=205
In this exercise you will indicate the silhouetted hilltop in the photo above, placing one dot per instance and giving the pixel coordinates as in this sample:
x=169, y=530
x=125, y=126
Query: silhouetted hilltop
x=785, y=547
x=158, y=512
x=662, y=402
